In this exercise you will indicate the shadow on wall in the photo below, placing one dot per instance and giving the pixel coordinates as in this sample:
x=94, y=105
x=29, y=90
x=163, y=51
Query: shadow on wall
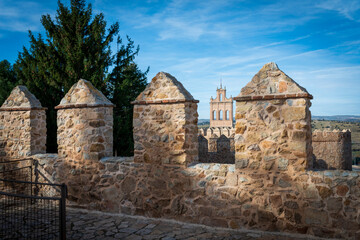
x=216, y=149
x=320, y=164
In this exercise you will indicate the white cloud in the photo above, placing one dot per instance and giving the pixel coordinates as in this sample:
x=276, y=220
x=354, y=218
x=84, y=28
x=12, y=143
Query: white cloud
x=347, y=8
x=201, y=41
x=21, y=16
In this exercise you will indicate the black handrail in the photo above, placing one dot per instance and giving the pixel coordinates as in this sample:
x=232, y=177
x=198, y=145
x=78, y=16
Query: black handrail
x=17, y=204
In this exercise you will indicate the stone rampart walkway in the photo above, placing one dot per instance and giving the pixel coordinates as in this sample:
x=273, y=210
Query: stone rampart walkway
x=84, y=224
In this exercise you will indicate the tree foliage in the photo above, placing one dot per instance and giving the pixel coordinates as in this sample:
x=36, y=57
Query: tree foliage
x=77, y=45
x=7, y=80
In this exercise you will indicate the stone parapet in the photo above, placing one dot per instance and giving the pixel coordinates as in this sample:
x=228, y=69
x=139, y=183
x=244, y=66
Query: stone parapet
x=85, y=124
x=216, y=145
x=332, y=150
x=320, y=203
x=22, y=125
x=273, y=123
x=165, y=123
x=331, y=136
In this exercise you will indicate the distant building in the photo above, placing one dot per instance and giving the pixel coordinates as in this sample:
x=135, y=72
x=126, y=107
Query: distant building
x=221, y=109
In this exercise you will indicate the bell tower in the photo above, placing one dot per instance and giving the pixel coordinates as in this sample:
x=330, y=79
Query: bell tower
x=221, y=109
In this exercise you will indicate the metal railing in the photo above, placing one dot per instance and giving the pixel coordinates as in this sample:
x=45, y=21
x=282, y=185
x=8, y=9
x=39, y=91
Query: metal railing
x=30, y=206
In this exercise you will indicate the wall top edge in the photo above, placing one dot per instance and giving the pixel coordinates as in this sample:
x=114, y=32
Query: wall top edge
x=22, y=108
x=271, y=97
x=83, y=106
x=169, y=101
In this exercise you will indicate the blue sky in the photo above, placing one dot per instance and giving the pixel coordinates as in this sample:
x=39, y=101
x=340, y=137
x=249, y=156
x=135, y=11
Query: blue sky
x=317, y=43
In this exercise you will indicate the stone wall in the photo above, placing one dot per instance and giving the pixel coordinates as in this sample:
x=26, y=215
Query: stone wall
x=165, y=123
x=273, y=190
x=22, y=125
x=332, y=150
x=85, y=124
x=273, y=123
x=324, y=203
x=216, y=145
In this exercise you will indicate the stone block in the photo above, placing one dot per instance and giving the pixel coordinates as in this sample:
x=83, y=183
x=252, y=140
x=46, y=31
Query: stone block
x=315, y=216
x=83, y=120
x=241, y=163
x=23, y=125
x=170, y=118
x=291, y=114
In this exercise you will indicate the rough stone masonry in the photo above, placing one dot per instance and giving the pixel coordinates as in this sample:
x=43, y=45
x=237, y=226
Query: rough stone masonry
x=270, y=187
x=165, y=123
x=273, y=123
x=22, y=125
x=85, y=124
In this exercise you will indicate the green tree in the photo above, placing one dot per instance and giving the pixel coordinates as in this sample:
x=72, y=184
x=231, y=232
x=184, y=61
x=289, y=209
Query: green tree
x=7, y=80
x=126, y=81
x=77, y=45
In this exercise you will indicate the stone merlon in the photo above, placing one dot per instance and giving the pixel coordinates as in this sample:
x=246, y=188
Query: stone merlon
x=271, y=83
x=84, y=94
x=21, y=99
x=164, y=88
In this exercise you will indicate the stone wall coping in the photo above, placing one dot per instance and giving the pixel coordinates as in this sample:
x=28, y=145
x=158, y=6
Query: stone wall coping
x=231, y=168
x=116, y=159
x=334, y=173
x=86, y=105
x=22, y=108
x=164, y=101
x=272, y=97
x=212, y=166
x=330, y=136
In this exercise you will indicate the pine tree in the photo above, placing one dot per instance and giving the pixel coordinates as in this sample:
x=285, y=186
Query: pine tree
x=77, y=45
x=7, y=80
x=127, y=82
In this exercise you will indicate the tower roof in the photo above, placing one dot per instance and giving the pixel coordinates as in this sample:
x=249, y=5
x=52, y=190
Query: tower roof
x=83, y=94
x=164, y=87
x=270, y=80
x=20, y=97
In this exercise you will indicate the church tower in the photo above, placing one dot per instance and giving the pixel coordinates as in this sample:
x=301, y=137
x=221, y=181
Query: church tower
x=221, y=109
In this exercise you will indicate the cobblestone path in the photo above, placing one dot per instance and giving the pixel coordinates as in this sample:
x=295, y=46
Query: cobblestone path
x=83, y=224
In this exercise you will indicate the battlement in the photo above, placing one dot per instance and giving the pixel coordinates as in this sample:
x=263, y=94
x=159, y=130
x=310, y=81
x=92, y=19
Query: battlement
x=332, y=149
x=216, y=145
x=217, y=132
x=257, y=175
x=331, y=136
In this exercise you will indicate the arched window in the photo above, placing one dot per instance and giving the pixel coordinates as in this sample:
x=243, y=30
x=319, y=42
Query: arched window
x=221, y=115
x=214, y=115
x=227, y=115
x=220, y=97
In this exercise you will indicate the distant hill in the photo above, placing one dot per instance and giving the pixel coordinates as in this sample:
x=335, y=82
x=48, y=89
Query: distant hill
x=342, y=118
x=203, y=121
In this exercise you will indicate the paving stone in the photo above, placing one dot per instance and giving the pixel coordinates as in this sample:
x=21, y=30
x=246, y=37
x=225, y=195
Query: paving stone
x=121, y=235
x=104, y=226
x=145, y=231
x=133, y=237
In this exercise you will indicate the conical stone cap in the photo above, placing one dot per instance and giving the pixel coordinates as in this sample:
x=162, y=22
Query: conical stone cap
x=164, y=88
x=270, y=82
x=21, y=98
x=84, y=94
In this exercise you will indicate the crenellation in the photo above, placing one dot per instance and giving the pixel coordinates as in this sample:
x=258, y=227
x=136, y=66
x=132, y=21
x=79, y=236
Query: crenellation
x=165, y=133
x=269, y=128
x=85, y=123
x=332, y=150
x=23, y=125
x=256, y=175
